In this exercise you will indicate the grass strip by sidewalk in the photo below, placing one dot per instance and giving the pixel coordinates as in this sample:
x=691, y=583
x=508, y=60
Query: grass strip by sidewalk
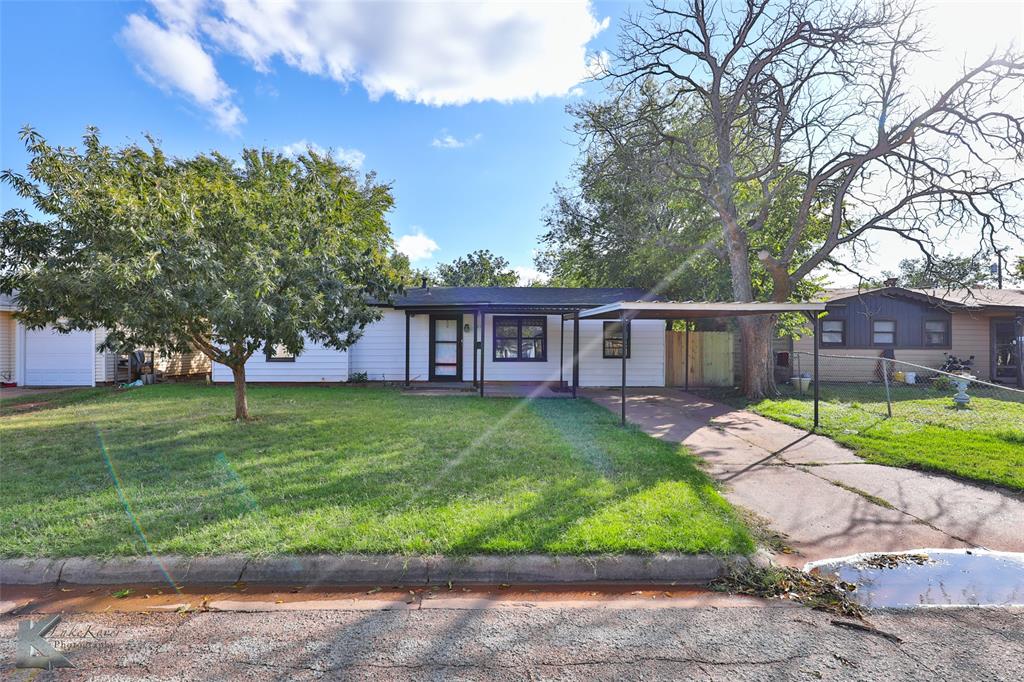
x=985, y=444
x=345, y=469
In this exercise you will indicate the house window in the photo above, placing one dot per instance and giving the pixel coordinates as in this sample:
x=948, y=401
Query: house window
x=613, y=342
x=278, y=353
x=833, y=332
x=520, y=339
x=936, y=332
x=883, y=332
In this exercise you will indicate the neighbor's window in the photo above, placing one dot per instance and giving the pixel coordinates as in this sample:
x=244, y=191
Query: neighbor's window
x=883, y=332
x=833, y=332
x=278, y=353
x=522, y=339
x=613, y=342
x=936, y=332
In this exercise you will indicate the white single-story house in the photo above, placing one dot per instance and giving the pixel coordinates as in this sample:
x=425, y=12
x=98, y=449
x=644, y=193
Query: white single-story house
x=564, y=337
x=44, y=357
x=521, y=334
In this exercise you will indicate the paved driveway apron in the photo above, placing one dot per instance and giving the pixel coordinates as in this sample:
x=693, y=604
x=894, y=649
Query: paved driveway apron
x=826, y=501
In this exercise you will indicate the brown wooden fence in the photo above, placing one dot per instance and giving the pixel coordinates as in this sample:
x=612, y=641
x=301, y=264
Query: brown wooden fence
x=710, y=358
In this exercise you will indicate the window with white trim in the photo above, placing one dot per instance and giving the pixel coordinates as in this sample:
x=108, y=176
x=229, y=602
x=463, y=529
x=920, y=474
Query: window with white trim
x=833, y=332
x=936, y=332
x=883, y=332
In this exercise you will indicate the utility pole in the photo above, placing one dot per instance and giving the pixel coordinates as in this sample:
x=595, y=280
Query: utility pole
x=997, y=267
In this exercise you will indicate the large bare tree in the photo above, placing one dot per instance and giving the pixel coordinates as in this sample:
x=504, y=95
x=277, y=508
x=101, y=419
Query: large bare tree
x=821, y=91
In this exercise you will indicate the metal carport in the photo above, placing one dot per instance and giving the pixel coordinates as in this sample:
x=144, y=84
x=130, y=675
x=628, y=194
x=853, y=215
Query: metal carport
x=624, y=311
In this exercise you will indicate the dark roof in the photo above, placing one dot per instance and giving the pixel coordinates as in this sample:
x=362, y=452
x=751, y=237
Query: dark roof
x=975, y=298
x=554, y=297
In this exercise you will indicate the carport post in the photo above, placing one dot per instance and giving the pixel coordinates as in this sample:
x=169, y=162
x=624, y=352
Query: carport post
x=625, y=345
x=561, y=352
x=406, y=348
x=483, y=355
x=817, y=380
x=575, y=353
x=686, y=358
x=474, y=347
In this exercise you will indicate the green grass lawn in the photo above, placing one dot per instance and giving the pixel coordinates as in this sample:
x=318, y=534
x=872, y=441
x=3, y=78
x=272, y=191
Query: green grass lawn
x=983, y=443
x=343, y=469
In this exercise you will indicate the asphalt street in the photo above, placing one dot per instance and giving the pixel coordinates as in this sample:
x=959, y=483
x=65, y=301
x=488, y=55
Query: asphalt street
x=529, y=640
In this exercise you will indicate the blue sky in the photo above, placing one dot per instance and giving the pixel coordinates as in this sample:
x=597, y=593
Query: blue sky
x=460, y=105
x=468, y=176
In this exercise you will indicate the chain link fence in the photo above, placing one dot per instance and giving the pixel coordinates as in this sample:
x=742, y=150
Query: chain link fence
x=884, y=387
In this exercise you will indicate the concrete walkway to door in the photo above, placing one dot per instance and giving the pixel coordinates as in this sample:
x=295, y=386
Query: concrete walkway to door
x=826, y=501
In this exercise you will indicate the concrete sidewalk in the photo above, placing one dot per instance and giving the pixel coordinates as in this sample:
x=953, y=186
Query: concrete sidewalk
x=826, y=501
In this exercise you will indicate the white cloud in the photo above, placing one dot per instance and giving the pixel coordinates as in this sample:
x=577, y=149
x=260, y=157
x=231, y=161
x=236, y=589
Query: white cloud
x=173, y=60
x=417, y=246
x=528, y=275
x=449, y=141
x=430, y=53
x=349, y=157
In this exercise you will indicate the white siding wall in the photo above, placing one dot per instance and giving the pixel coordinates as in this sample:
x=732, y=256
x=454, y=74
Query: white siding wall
x=644, y=367
x=106, y=362
x=380, y=353
x=7, y=331
x=528, y=371
x=315, y=364
x=381, y=350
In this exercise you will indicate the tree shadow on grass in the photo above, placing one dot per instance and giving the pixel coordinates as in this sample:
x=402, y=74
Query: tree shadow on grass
x=198, y=483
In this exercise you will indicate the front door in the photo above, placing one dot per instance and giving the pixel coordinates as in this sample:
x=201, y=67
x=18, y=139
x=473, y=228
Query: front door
x=445, y=347
x=1005, y=354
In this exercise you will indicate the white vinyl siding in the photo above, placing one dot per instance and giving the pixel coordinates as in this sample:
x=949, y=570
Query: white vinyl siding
x=380, y=352
x=106, y=362
x=529, y=370
x=315, y=364
x=645, y=365
x=7, y=331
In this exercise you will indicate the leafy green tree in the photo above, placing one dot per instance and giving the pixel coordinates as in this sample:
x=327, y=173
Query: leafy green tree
x=629, y=221
x=228, y=257
x=477, y=269
x=821, y=93
x=945, y=272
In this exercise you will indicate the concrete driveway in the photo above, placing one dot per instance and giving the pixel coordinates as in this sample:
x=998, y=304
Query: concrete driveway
x=824, y=499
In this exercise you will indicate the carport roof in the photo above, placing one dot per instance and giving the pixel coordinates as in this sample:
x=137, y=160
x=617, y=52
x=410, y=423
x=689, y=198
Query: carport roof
x=670, y=310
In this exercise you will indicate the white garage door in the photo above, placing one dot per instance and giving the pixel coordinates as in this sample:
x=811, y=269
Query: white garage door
x=53, y=359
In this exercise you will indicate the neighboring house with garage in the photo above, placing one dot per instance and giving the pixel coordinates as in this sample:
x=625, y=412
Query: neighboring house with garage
x=923, y=326
x=44, y=357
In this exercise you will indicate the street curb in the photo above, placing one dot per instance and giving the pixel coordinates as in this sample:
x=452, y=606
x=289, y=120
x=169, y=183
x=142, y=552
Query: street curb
x=364, y=569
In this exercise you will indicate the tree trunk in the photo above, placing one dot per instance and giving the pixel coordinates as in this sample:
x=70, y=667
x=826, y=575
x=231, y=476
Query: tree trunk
x=756, y=331
x=241, y=402
x=756, y=334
